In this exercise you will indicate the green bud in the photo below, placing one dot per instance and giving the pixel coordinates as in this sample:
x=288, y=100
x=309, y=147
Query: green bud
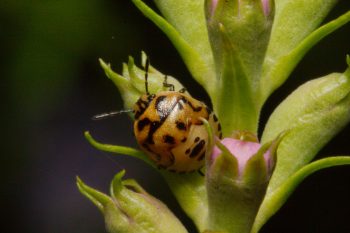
x=314, y=113
x=239, y=33
x=130, y=209
x=238, y=173
x=131, y=84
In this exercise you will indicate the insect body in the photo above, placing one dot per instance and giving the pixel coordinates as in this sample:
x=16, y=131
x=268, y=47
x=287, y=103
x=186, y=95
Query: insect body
x=169, y=130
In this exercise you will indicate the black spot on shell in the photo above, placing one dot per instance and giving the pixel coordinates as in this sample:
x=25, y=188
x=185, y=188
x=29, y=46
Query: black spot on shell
x=196, y=139
x=163, y=113
x=180, y=125
x=186, y=101
x=142, y=123
x=219, y=127
x=169, y=139
x=197, y=148
x=188, y=151
x=199, y=123
x=198, y=109
x=201, y=157
x=142, y=106
x=215, y=118
x=184, y=139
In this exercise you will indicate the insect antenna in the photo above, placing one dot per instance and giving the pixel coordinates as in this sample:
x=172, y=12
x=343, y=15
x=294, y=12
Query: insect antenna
x=146, y=75
x=110, y=114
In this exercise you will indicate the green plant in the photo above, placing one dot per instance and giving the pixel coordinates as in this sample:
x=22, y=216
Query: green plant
x=240, y=52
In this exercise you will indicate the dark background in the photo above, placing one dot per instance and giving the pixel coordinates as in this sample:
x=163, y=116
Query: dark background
x=51, y=84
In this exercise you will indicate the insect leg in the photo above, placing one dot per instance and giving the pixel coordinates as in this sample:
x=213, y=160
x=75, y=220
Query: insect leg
x=182, y=90
x=166, y=84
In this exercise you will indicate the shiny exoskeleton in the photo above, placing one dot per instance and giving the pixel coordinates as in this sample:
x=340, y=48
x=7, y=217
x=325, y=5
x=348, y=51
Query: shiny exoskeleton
x=169, y=130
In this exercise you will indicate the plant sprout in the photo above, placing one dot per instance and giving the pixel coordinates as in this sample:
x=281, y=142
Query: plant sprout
x=240, y=52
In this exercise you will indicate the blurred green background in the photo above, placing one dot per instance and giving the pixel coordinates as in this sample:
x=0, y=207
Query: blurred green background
x=51, y=85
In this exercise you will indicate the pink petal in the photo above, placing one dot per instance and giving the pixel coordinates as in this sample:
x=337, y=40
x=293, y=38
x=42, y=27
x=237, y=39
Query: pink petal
x=242, y=150
x=214, y=3
x=266, y=6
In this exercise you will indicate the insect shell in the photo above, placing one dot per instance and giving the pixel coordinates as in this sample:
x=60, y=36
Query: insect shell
x=169, y=130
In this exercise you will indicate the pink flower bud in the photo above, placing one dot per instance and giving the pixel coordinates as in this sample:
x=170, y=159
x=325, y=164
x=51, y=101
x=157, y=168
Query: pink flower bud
x=237, y=175
x=266, y=6
x=213, y=5
x=243, y=151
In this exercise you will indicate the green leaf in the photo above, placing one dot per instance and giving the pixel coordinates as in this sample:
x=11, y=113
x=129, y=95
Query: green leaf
x=295, y=20
x=118, y=149
x=225, y=166
x=239, y=34
x=199, y=68
x=189, y=189
x=247, y=28
x=187, y=16
x=117, y=184
x=190, y=192
x=131, y=84
x=274, y=200
x=99, y=199
x=282, y=57
x=235, y=104
x=130, y=209
x=129, y=93
x=313, y=114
